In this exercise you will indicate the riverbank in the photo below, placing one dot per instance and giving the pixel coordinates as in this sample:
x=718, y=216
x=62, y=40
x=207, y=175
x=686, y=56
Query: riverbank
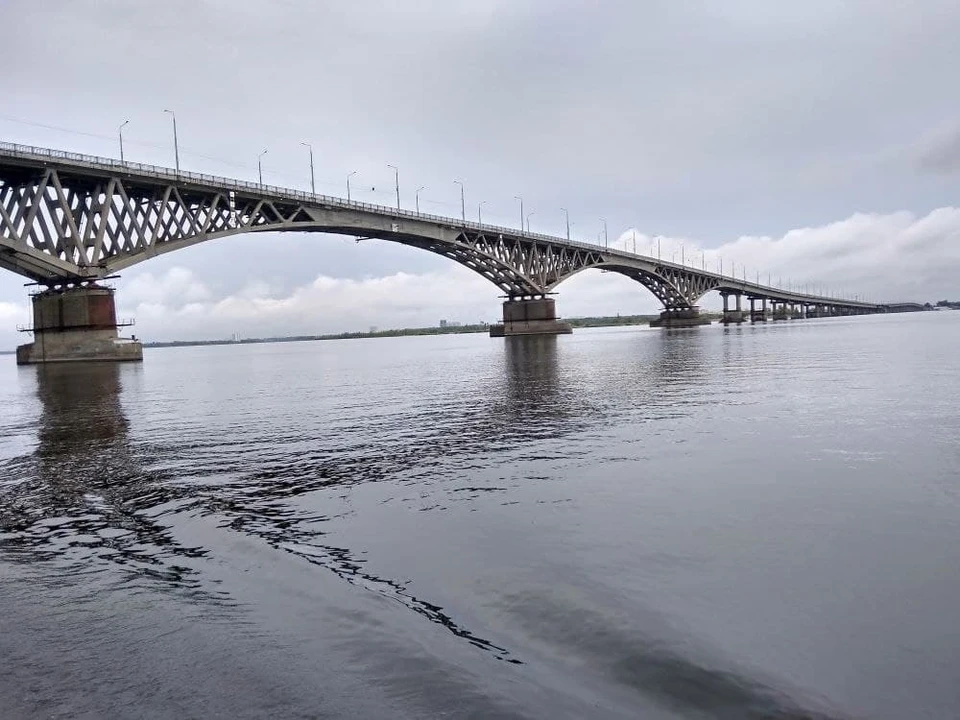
x=584, y=322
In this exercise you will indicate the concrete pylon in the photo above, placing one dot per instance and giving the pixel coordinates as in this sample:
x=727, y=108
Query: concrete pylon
x=680, y=318
x=536, y=316
x=76, y=324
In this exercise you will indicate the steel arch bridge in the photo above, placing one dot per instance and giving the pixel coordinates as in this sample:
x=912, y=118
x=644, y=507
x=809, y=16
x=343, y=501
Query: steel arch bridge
x=68, y=219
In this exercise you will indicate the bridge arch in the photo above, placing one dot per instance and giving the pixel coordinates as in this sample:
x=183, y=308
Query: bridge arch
x=673, y=287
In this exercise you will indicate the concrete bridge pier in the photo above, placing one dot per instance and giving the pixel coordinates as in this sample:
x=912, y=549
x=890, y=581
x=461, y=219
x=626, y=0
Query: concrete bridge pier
x=731, y=316
x=76, y=324
x=780, y=311
x=530, y=316
x=680, y=318
x=761, y=314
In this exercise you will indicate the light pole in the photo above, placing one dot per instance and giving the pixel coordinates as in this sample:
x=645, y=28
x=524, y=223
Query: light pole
x=463, y=207
x=260, y=165
x=683, y=260
x=606, y=238
x=120, y=132
x=567, y=216
x=313, y=184
x=176, y=144
x=658, y=247
x=349, y=175
x=418, y=197
x=529, y=215
x=517, y=197
x=396, y=182
x=479, y=212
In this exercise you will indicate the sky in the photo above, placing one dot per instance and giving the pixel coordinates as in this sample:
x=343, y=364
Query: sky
x=814, y=143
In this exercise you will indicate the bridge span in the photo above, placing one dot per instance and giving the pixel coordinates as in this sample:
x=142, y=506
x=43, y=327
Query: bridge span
x=68, y=221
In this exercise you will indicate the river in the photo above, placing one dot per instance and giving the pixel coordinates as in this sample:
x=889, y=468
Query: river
x=743, y=522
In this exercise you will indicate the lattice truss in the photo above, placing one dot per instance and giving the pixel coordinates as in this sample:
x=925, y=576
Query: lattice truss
x=88, y=222
x=521, y=267
x=674, y=287
x=71, y=226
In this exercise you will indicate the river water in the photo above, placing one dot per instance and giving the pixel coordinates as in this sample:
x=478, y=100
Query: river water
x=744, y=522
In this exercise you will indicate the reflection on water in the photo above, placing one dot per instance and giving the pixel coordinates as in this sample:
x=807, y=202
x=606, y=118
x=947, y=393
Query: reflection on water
x=83, y=496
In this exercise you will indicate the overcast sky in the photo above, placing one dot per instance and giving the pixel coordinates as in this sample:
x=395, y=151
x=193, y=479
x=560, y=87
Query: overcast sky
x=816, y=141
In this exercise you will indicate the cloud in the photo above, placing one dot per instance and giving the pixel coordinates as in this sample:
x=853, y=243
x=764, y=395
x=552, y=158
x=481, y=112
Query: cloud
x=174, y=289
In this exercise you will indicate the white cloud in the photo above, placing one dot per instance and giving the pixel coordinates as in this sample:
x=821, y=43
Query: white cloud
x=173, y=289
x=897, y=256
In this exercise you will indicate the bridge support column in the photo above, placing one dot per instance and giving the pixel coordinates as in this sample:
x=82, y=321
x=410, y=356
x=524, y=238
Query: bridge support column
x=537, y=316
x=680, y=318
x=780, y=311
x=731, y=316
x=758, y=315
x=76, y=324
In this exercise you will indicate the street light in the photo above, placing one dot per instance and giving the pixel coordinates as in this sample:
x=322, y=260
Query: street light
x=176, y=144
x=349, y=175
x=120, y=132
x=567, y=216
x=396, y=182
x=313, y=185
x=260, y=165
x=418, y=197
x=517, y=197
x=606, y=238
x=528, y=220
x=479, y=212
x=463, y=207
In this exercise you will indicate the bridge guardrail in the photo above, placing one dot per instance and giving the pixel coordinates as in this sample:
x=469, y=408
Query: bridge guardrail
x=220, y=182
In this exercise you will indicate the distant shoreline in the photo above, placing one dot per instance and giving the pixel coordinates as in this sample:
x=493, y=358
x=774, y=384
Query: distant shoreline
x=612, y=321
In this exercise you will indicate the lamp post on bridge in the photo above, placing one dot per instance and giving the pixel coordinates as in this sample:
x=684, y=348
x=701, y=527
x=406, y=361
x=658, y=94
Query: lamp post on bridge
x=479, y=212
x=349, y=175
x=606, y=238
x=418, y=197
x=120, y=133
x=313, y=184
x=518, y=197
x=260, y=166
x=396, y=182
x=529, y=215
x=567, y=216
x=176, y=144
x=463, y=207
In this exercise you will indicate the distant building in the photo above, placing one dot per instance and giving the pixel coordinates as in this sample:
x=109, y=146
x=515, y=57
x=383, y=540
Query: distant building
x=443, y=323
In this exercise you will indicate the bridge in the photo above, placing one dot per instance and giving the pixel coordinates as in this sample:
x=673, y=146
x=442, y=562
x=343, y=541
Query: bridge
x=70, y=221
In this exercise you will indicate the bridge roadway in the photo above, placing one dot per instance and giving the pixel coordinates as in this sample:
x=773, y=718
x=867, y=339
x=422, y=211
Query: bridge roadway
x=68, y=220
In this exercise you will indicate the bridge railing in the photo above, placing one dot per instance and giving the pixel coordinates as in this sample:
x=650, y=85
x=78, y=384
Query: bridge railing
x=165, y=173
x=224, y=183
